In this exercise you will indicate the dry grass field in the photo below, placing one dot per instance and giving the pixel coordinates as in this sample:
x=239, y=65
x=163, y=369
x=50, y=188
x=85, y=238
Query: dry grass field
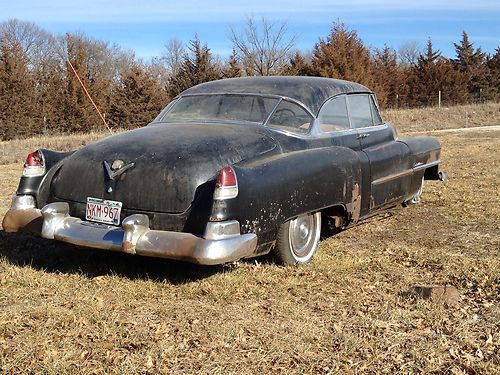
x=70, y=310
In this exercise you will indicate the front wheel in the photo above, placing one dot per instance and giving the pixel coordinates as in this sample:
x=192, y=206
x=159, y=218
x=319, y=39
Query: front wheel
x=298, y=239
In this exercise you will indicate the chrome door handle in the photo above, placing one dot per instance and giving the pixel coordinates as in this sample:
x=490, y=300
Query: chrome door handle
x=363, y=135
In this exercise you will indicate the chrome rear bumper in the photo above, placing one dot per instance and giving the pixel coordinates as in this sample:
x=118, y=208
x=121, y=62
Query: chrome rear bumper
x=134, y=237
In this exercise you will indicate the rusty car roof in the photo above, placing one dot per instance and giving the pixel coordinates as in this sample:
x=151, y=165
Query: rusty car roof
x=311, y=91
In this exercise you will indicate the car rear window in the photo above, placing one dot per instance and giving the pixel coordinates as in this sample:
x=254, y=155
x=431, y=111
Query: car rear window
x=223, y=107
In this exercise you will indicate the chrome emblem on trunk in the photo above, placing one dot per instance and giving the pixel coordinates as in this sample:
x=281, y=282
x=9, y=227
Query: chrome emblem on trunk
x=116, y=168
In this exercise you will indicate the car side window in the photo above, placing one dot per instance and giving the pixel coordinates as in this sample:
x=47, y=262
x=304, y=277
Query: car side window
x=360, y=110
x=333, y=115
x=377, y=119
x=290, y=116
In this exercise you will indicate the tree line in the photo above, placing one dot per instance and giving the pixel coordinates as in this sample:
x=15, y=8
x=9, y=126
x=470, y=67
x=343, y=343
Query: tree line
x=39, y=93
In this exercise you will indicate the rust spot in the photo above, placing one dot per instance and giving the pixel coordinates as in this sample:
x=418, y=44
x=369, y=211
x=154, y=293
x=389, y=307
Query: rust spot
x=29, y=221
x=355, y=206
x=128, y=247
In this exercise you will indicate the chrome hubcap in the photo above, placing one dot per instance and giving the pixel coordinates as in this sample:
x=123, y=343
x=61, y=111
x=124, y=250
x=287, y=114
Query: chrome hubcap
x=301, y=230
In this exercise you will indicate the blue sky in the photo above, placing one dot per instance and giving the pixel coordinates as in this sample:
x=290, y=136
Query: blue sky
x=146, y=25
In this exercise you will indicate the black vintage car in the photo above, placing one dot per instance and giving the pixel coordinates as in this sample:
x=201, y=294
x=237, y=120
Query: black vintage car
x=230, y=169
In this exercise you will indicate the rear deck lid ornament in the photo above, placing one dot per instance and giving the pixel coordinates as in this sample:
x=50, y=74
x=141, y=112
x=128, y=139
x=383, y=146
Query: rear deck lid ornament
x=116, y=168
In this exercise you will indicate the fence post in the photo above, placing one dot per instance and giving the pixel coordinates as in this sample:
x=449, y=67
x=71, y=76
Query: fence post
x=439, y=99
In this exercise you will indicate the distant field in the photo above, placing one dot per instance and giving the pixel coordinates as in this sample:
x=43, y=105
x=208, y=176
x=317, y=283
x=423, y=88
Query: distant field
x=69, y=310
x=428, y=119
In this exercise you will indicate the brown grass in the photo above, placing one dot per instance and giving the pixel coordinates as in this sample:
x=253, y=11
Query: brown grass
x=426, y=119
x=69, y=310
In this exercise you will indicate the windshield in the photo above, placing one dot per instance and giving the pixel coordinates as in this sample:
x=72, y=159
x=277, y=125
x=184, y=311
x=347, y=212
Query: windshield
x=217, y=107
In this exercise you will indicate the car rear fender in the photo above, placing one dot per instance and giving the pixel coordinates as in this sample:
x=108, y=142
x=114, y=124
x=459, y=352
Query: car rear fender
x=425, y=159
x=275, y=189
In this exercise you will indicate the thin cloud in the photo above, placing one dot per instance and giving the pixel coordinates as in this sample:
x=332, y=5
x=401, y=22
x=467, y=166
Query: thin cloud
x=155, y=10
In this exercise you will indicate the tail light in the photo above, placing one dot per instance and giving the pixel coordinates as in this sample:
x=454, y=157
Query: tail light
x=226, y=186
x=35, y=164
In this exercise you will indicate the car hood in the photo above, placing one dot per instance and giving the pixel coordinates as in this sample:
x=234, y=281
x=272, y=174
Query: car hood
x=170, y=161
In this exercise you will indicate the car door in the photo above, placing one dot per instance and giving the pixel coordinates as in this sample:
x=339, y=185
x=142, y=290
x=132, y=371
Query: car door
x=334, y=125
x=389, y=160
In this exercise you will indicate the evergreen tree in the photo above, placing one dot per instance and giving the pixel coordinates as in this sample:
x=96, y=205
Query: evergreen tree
x=434, y=73
x=17, y=94
x=471, y=63
x=137, y=100
x=389, y=81
x=298, y=66
x=197, y=67
x=343, y=55
x=232, y=68
x=493, y=65
x=88, y=59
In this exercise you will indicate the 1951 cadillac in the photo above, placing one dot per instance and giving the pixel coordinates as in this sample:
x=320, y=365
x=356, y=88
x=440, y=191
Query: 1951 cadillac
x=230, y=169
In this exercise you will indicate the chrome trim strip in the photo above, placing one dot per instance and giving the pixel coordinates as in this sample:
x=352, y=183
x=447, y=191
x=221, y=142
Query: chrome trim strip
x=419, y=167
x=373, y=128
x=416, y=168
x=391, y=177
x=324, y=134
x=272, y=112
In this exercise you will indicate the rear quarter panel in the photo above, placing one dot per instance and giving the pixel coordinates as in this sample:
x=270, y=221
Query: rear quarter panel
x=273, y=190
x=424, y=150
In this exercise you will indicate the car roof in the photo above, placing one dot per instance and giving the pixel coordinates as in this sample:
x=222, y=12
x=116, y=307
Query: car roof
x=310, y=91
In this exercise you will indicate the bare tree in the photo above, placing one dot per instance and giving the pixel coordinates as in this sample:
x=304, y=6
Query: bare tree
x=173, y=56
x=26, y=34
x=263, y=48
x=409, y=52
x=35, y=43
x=157, y=70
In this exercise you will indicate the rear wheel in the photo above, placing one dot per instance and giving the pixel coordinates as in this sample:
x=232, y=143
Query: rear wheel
x=298, y=239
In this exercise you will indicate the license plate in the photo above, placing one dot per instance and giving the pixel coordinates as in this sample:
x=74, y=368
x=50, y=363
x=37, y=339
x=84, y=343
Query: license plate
x=103, y=211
